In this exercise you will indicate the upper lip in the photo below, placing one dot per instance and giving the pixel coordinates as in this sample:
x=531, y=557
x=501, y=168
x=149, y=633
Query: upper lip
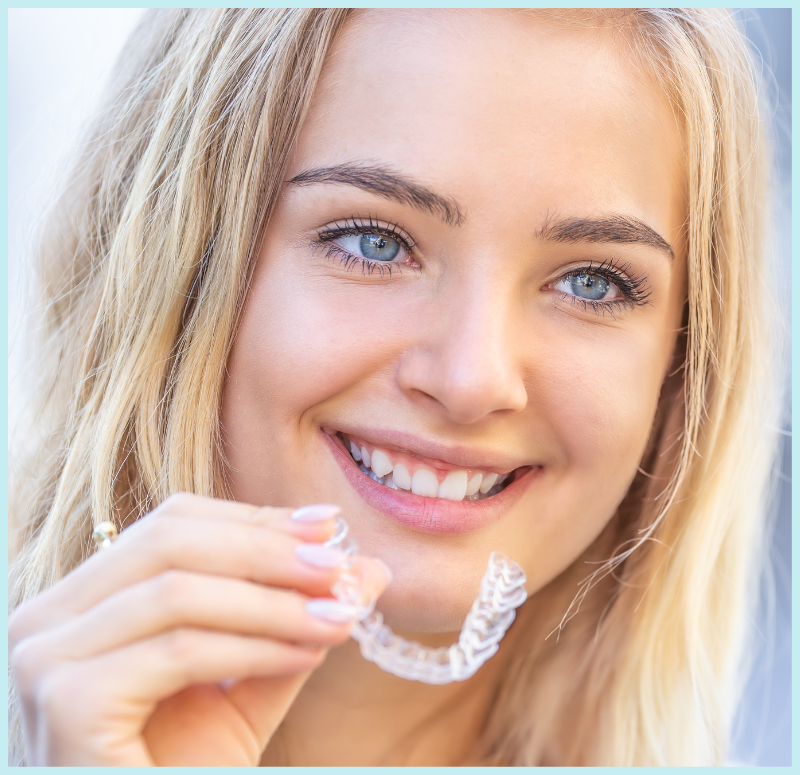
x=431, y=451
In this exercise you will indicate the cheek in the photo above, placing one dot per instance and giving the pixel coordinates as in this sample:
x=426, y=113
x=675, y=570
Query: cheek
x=293, y=350
x=304, y=341
x=602, y=390
x=596, y=397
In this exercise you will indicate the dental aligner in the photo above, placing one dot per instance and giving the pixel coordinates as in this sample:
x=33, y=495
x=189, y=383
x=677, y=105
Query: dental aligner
x=502, y=591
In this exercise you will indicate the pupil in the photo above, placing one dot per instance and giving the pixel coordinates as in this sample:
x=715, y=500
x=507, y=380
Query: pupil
x=379, y=248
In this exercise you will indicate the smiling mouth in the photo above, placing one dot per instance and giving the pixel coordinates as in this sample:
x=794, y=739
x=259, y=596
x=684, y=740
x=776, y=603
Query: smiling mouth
x=402, y=471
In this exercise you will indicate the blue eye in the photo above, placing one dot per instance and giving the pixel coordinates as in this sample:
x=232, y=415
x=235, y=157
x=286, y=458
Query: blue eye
x=604, y=287
x=588, y=286
x=371, y=246
x=378, y=247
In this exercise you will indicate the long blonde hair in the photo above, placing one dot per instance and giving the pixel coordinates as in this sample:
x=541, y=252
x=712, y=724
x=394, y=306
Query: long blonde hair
x=145, y=264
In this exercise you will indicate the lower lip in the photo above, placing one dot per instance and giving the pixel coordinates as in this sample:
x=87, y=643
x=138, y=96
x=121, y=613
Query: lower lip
x=430, y=515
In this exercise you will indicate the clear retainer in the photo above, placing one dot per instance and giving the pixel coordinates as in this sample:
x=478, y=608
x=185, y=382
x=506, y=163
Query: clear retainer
x=502, y=591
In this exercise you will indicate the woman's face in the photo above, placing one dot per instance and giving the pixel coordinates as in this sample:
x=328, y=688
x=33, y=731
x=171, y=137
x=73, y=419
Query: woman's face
x=475, y=268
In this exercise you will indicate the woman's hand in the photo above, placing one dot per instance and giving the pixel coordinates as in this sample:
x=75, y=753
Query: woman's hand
x=183, y=643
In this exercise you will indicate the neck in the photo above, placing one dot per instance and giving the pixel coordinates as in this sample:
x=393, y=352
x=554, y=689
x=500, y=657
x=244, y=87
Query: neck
x=351, y=713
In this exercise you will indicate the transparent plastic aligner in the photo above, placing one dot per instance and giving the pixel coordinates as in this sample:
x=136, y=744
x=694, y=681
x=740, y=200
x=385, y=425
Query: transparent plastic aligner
x=502, y=591
x=348, y=588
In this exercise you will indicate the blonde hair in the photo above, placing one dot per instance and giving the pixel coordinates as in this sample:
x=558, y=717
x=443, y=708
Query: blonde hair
x=145, y=265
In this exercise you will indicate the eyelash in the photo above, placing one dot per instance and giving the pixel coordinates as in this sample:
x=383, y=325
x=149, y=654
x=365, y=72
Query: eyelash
x=357, y=226
x=633, y=287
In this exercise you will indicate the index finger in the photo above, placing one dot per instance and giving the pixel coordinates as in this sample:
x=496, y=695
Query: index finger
x=241, y=543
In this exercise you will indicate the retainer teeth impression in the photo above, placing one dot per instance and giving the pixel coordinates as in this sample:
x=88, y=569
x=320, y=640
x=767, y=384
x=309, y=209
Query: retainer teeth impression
x=502, y=592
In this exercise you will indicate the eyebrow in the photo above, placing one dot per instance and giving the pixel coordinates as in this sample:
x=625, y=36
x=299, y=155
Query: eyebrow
x=619, y=229
x=385, y=182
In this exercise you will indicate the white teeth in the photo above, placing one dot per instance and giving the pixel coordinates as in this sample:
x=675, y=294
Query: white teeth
x=381, y=464
x=401, y=477
x=474, y=484
x=425, y=482
x=454, y=486
x=488, y=482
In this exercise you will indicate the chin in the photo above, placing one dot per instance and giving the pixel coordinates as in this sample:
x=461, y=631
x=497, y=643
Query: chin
x=425, y=611
x=433, y=588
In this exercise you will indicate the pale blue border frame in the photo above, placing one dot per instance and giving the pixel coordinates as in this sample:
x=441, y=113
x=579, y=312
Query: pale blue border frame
x=795, y=350
x=4, y=280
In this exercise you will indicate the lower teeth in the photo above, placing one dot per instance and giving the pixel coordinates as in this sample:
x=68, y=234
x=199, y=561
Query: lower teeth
x=388, y=481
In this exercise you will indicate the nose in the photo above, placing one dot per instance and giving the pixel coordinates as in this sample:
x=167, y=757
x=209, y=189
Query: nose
x=466, y=362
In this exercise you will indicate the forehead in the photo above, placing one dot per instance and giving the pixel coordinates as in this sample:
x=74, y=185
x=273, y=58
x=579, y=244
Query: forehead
x=477, y=99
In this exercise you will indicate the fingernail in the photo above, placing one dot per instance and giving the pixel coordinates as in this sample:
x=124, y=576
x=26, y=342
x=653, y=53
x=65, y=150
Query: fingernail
x=320, y=556
x=331, y=610
x=316, y=512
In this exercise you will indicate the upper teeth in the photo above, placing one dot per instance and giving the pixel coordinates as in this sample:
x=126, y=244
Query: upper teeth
x=381, y=464
x=389, y=471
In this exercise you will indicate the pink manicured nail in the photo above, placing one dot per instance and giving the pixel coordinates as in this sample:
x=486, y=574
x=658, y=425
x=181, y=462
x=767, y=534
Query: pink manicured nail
x=316, y=512
x=320, y=556
x=331, y=610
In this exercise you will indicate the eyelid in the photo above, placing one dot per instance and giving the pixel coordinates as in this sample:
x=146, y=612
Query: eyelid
x=632, y=286
x=604, y=268
x=353, y=226
x=327, y=236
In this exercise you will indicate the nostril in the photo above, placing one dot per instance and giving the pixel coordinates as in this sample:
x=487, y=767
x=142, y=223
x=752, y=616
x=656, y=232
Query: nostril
x=462, y=385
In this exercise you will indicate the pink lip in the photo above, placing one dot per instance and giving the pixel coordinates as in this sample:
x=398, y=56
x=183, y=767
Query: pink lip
x=434, y=453
x=430, y=515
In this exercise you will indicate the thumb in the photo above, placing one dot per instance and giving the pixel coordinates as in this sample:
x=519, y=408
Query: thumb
x=264, y=702
x=373, y=575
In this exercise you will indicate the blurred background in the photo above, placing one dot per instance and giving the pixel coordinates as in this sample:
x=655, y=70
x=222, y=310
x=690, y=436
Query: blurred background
x=57, y=63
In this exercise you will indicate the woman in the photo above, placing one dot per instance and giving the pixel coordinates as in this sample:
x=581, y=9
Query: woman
x=510, y=260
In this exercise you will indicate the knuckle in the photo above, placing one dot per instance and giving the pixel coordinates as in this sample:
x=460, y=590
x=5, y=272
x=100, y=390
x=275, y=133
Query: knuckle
x=56, y=691
x=179, y=503
x=252, y=515
x=179, y=645
x=19, y=623
x=27, y=664
x=170, y=590
x=295, y=599
x=271, y=543
x=33, y=671
x=155, y=530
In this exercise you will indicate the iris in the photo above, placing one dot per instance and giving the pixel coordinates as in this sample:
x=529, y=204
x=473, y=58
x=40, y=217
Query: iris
x=378, y=247
x=589, y=286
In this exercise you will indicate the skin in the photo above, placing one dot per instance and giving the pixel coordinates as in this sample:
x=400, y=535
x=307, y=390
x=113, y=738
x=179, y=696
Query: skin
x=474, y=348
x=473, y=343
x=524, y=119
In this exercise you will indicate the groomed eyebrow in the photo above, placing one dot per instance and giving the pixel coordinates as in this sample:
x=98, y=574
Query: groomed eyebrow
x=620, y=229
x=385, y=182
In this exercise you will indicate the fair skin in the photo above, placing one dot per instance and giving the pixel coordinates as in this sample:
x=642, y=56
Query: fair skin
x=493, y=346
